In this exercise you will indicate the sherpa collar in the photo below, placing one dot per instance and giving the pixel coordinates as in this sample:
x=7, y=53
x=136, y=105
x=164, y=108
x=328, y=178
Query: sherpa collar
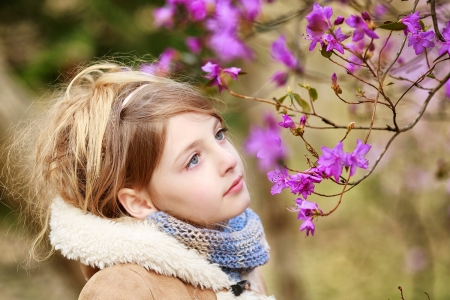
x=102, y=243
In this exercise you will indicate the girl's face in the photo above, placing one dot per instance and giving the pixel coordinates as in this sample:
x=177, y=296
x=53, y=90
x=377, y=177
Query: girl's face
x=201, y=176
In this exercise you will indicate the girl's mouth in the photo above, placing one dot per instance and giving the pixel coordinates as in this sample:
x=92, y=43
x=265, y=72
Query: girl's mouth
x=235, y=187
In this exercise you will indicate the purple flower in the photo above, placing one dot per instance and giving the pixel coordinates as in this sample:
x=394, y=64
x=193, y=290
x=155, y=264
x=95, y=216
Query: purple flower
x=197, y=9
x=332, y=160
x=287, y=122
x=335, y=43
x=280, y=78
x=339, y=20
x=380, y=10
x=281, y=53
x=355, y=61
x=270, y=122
x=445, y=45
x=162, y=66
x=366, y=17
x=267, y=145
x=356, y=158
x=228, y=46
x=194, y=44
x=361, y=28
x=303, y=184
x=252, y=8
x=318, y=20
x=334, y=79
x=308, y=225
x=335, y=85
x=420, y=41
x=412, y=23
x=220, y=76
x=225, y=19
x=306, y=209
x=314, y=42
x=164, y=16
x=303, y=121
x=279, y=177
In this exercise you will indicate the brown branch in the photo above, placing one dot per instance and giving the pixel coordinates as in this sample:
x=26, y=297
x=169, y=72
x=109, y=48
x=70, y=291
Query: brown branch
x=435, y=22
x=340, y=198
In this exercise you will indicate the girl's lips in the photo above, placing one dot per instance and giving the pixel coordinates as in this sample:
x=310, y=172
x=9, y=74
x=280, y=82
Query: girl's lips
x=236, y=186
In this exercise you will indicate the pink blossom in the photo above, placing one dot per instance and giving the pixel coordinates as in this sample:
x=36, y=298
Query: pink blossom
x=303, y=184
x=280, y=78
x=164, y=16
x=228, y=46
x=287, y=122
x=162, y=66
x=306, y=209
x=335, y=43
x=445, y=45
x=267, y=145
x=361, y=28
x=281, y=53
x=197, y=9
x=412, y=23
x=252, y=8
x=318, y=20
x=303, y=121
x=217, y=75
x=308, y=225
x=421, y=40
x=332, y=160
x=356, y=158
x=194, y=44
x=279, y=177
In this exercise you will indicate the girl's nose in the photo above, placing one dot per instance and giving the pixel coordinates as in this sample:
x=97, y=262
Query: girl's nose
x=227, y=159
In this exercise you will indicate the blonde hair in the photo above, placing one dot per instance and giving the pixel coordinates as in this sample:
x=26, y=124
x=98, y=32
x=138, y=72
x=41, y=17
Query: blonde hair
x=89, y=143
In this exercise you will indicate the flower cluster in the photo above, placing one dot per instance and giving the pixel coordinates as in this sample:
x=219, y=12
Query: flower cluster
x=267, y=146
x=306, y=212
x=220, y=77
x=222, y=20
x=418, y=38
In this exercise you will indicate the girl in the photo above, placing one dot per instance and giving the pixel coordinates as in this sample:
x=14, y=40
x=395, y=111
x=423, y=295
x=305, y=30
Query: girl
x=134, y=177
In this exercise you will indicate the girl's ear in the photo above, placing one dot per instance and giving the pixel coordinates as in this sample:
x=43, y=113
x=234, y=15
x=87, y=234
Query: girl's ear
x=137, y=204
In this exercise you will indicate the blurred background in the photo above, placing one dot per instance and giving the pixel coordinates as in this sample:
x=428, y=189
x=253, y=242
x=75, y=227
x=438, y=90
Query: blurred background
x=392, y=230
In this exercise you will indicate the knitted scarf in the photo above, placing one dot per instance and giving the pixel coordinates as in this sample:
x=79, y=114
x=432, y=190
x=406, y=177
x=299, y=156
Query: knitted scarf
x=237, y=247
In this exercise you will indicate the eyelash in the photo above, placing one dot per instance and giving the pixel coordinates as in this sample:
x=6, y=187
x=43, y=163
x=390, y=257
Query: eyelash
x=221, y=130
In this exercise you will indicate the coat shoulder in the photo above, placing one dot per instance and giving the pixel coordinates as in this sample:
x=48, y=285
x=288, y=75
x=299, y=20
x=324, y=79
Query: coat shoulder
x=130, y=281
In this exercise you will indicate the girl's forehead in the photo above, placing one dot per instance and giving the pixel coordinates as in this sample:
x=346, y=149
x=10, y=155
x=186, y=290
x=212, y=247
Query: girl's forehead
x=186, y=129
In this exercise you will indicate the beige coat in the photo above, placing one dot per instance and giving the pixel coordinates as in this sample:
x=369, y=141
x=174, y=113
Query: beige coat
x=133, y=260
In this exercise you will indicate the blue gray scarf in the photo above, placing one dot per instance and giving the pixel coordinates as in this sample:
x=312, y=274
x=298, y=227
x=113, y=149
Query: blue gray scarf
x=237, y=247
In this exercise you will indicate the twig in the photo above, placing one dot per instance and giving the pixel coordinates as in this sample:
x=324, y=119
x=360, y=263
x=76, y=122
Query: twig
x=404, y=129
x=401, y=292
x=421, y=78
x=353, y=75
x=340, y=198
x=435, y=22
x=373, y=116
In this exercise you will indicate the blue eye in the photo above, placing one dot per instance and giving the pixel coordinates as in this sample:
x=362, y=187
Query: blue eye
x=193, y=162
x=220, y=135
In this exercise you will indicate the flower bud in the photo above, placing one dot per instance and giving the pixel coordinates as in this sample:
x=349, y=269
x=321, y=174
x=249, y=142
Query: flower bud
x=339, y=20
x=350, y=126
x=334, y=85
x=365, y=15
x=303, y=121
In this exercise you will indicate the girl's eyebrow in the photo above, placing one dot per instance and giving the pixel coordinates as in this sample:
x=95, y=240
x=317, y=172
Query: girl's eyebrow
x=194, y=144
